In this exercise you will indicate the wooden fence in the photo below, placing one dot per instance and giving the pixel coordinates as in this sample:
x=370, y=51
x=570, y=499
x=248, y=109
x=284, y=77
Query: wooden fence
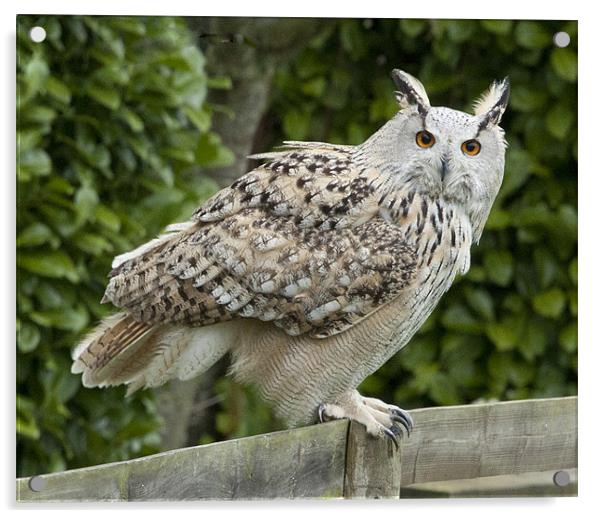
x=510, y=448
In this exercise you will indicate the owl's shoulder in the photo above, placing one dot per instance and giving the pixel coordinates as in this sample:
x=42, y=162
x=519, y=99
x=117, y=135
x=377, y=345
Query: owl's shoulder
x=317, y=185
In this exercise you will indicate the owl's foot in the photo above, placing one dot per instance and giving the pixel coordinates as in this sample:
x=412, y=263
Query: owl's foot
x=380, y=419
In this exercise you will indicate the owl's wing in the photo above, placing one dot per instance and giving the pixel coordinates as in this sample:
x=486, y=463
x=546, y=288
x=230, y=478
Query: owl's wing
x=298, y=247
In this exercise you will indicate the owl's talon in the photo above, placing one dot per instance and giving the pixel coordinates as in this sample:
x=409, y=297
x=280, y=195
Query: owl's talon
x=380, y=419
x=401, y=420
x=391, y=435
x=401, y=416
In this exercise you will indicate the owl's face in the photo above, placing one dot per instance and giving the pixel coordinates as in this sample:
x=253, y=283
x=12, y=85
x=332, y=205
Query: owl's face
x=444, y=153
x=448, y=153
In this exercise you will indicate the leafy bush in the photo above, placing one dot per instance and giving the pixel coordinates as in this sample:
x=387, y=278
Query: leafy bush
x=112, y=126
x=508, y=330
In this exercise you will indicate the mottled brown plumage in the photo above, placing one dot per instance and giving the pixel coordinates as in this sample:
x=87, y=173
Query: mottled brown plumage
x=312, y=269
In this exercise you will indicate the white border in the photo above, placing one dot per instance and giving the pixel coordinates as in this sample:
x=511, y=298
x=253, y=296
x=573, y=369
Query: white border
x=590, y=171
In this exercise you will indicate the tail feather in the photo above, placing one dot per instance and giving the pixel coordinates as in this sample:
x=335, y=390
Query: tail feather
x=102, y=356
x=122, y=350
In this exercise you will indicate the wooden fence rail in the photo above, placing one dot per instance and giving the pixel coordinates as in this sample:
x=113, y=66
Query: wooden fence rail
x=473, y=450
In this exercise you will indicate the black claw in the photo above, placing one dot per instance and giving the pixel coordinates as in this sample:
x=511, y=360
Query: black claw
x=405, y=418
x=392, y=436
x=403, y=422
x=396, y=430
x=321, y=409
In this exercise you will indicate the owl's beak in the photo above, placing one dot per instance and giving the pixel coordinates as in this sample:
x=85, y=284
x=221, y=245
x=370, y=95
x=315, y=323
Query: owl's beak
x=444, y=168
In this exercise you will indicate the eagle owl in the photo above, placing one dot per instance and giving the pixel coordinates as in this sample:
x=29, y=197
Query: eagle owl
x=314, y=268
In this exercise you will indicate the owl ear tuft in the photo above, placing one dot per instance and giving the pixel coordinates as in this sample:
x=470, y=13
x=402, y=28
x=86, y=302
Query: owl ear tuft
x=492, y=104
x=410, y=92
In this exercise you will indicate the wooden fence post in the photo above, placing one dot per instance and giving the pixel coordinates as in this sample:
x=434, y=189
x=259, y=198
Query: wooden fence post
x=372, y=466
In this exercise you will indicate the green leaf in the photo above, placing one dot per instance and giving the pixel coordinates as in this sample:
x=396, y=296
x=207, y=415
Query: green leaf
x=546, y=265
x=86, y=200
x=351, y=38
x=481, y=301
x=527, y=98
x=550, y=303
x=105, y=96
x=200, y=117
x=573, y=271
x=107, y=218
x=211, y=152
x=443, y=390
x=53, y=295
x=54, y=264
x=505, y=333
x=92, y=244
x=42, y=115
x=36, y=234
x=296, y=124
x=458, y=318
x=132, y=119
x=476, y=274
x=534, y=340
x=28, y=429
x=412, y=27
x=34, y=78
x=26, y=421
x=559, y=121
x=498, y=219
x=459, y=31
x=73, y=319
x=518, y=170
x=219, y=83
x=532, y=35
x=183, y=155
x=28, y=337
x=59, y=90
x=499, y=266
x=568, y=338
x=424, y=351
x=34, y=162
x=564, y=64
x=501, y=27
x=314, y=87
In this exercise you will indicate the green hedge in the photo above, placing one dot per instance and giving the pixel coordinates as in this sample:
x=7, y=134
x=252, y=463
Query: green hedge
x=112, y=127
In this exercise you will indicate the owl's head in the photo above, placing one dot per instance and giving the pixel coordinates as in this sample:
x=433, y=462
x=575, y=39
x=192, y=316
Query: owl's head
x=444, y=152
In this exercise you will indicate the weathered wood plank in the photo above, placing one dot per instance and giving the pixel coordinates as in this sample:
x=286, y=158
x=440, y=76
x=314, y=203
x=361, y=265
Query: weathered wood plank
x=304, y=463
x=540, y=483
x=373, y=466
x=473, y=441
x=464, y=442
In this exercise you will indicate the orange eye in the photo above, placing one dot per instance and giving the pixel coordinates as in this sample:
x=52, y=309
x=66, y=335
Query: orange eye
x=424, y=139
x=471, y=147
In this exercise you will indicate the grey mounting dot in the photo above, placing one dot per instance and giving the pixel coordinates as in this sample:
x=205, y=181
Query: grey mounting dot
x=37, y=483
x=562, y=39
x=561, y=478
x=37, y=34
